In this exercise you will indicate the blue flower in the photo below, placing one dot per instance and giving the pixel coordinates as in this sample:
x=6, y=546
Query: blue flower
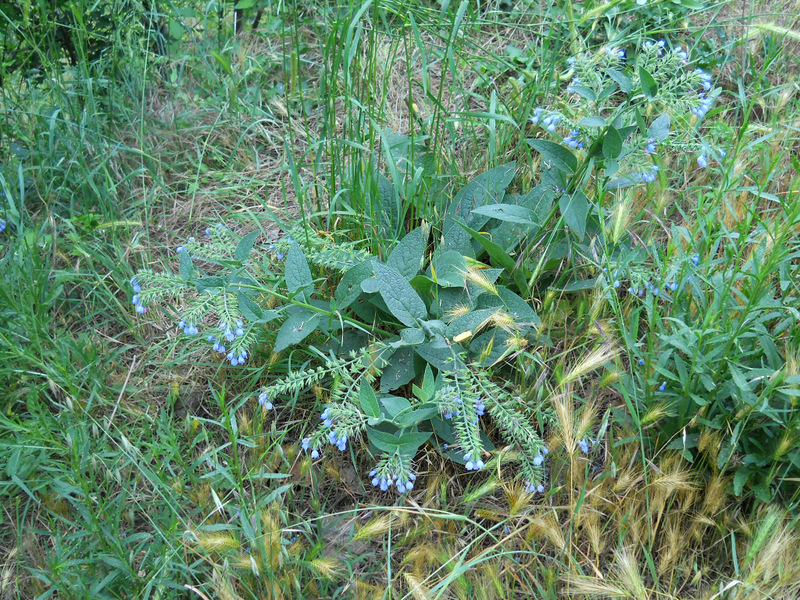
x=584, y=446
x=536, y=114
x=135, y=284
x=480, y=408
x=280, y=256
x=641, y=362
x=696, y=259
x=538, y=460
x=263, y=400
x=2, y=225
x=662, y=387
x=179, y=249
x=140, y=308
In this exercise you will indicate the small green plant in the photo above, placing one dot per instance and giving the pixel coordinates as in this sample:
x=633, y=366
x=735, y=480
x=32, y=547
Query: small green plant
x=395, y=322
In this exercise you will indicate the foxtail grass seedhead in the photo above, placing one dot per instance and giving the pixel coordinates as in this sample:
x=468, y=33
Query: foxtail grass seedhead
x=479, y=278
x=375, y=528
x=589, y=363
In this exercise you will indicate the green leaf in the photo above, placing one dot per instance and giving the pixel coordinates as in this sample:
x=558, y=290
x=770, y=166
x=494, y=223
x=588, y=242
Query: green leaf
x=408, y=255
x=486, y=188
x=412, y=335
x=410, y=442
x=400, y=369
x=428, y=385
x=649, y=85
x=612, y=143
x=349, y=288
x=740, y=479
x=295, y=329
x=223, y=62
x=250, y=309
x=186, y=268
x=623, y=81
x=448, y=268
x=401, y=299
x=584, y=92
x=297, y=273
x=556, y=155
x=594, y=121
x=469, y=322
x=369, y=401
x=209, y=283
x=385, y=442
x=416, y=416
x=389, y=204
x=440, y=354
x=521, y=310
x=575, y=210
x=509, y=212
x=499, y=257
x=394, y=405
x=659, y=129
x=245, y=246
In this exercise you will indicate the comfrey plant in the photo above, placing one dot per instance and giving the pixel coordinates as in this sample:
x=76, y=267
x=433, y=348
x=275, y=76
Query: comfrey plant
x=605, y=126
x=408, y=345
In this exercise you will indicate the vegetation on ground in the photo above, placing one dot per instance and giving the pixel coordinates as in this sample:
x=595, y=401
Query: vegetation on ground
x=399, y=300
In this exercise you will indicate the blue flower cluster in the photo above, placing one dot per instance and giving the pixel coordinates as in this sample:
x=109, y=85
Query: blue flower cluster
x=334, y=437
x=532, y=488
x=306, y=445
x=571, y=87
x=702, y=158
x=473, y=465
x=650, y=176
x=572, y=139
x=338, y=440
x=705, y=105
x=179, y=249
x=549, y=122
x=705, y=79
x=263, y=400
x=538, y=460
x=136, y=301
x=660, y=45
x=384, y=483
x=280, y=255
x=585, y=445
x=230, y=336
x=188, y=329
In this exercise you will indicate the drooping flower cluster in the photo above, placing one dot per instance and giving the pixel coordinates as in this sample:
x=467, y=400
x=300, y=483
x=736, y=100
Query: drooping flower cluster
x=340, y=423
x=463, y=407
x=394, y=471
x=263, y=400
x=658, y=287
x=229, y=335
x=136, y=301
